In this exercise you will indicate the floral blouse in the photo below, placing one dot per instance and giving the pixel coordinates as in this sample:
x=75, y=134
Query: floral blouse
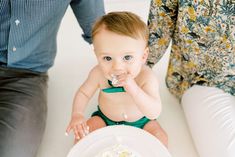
x=203, y=42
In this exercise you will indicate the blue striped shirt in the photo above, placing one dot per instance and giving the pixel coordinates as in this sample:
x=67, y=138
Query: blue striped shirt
x=28, y=29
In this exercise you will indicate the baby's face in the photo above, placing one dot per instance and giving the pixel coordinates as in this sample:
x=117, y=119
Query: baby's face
x=118, y=54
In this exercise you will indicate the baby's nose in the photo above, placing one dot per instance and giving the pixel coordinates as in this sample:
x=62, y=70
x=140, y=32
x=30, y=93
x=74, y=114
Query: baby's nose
x=117, y=65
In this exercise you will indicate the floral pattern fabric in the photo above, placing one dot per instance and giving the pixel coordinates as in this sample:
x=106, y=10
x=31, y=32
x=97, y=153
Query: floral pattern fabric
x=203, y=42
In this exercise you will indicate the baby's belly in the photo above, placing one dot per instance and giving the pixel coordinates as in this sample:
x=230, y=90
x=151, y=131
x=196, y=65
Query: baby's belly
x=120, y=110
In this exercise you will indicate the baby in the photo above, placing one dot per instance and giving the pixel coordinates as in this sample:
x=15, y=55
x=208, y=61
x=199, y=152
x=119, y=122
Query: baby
x=129, y=90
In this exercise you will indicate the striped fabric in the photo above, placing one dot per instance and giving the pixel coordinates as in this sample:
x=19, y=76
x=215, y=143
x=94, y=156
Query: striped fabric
x=28, y=29
x=4, y=28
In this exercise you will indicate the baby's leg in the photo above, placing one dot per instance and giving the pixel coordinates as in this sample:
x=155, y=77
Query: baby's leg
x=95, y=123
x=154, y=128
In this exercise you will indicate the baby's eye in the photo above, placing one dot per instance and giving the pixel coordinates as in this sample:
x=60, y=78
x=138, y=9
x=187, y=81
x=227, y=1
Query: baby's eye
x=127, y=57
x=107, y=58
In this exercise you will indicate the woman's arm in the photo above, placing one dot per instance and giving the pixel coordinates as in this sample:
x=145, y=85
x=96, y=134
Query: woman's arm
x=161, y=22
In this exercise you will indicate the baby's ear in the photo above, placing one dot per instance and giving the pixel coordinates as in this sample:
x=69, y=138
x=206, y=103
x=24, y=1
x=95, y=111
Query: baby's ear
x=145, y=54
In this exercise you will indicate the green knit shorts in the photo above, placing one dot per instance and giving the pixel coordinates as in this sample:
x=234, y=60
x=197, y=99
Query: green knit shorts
x=139, y=123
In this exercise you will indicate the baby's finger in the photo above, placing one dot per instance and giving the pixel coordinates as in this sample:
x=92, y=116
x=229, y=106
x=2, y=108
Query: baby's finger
x=81, y=131
x=85, y=128
x=75, y=141
x=68, y=130
x=76, y=132
x=120, y=83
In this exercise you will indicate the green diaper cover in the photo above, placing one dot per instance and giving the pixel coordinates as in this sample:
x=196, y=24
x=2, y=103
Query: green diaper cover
x=139, y=123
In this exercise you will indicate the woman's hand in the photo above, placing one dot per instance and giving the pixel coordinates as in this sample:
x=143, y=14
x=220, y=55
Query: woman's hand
x=79, y=126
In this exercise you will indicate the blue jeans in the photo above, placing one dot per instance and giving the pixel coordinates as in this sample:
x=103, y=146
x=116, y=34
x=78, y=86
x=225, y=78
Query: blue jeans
x=23, y=109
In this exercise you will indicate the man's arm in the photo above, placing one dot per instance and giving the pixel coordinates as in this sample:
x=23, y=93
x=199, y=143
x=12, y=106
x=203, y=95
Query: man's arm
x=87, y=12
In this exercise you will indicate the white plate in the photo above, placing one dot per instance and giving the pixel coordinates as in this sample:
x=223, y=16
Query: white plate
x=134, y=138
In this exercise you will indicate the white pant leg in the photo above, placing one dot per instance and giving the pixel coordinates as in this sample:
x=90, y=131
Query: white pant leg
x=210, y=113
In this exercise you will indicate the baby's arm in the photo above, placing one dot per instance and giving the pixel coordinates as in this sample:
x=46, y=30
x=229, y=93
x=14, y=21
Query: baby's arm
x=146, y=97
x=81, y=99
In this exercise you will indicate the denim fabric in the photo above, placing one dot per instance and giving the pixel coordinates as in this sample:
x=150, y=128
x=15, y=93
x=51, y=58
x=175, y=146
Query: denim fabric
x=23, y=97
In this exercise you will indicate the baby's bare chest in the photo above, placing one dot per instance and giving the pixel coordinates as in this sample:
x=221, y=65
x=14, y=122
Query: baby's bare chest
x=119, y=98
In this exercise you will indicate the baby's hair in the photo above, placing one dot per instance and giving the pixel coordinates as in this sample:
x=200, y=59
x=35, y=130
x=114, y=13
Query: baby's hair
x=123, y=23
